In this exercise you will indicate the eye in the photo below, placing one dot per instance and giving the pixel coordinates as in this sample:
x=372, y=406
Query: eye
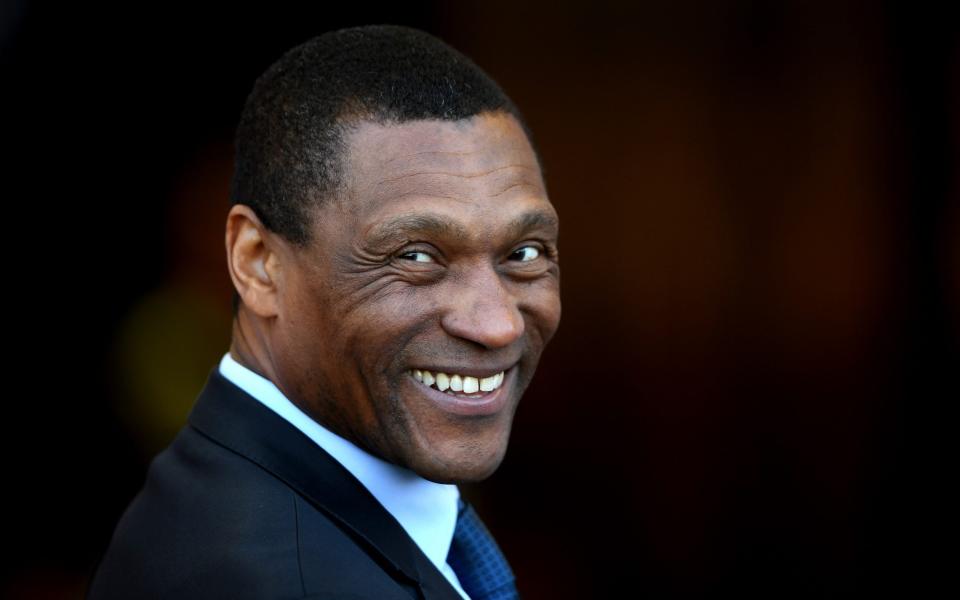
x=525, y=254
x=416, y=256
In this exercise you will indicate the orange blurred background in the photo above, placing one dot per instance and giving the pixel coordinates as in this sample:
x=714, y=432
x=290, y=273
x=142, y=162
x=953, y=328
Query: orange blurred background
x=761, y=280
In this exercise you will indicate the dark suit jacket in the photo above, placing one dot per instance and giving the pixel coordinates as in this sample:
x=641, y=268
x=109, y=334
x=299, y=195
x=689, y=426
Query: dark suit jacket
x=243, y=505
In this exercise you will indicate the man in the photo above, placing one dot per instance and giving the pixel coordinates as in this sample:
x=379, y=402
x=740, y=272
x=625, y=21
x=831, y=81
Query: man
x=395, y=260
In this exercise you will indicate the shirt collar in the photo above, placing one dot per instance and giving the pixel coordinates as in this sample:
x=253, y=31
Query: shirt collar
x=426, y=510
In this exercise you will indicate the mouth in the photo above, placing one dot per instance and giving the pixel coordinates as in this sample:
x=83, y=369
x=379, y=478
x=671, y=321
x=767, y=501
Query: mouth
x=463, y=394
x=459, y=385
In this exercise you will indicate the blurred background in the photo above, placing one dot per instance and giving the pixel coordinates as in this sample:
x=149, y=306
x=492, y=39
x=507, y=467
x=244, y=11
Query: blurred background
x=761, y=280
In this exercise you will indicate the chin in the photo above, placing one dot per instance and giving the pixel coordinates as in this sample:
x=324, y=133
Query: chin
x=466, y=466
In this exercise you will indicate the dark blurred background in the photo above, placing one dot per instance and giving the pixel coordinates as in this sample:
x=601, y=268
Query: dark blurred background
x=761, y=280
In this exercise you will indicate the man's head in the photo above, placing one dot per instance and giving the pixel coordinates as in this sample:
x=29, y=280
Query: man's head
x=391, y=227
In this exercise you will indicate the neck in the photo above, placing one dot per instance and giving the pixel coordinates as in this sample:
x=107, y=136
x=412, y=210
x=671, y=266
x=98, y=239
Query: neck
x=249, y=348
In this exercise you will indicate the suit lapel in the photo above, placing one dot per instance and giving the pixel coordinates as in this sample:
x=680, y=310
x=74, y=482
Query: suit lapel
x=234, y=419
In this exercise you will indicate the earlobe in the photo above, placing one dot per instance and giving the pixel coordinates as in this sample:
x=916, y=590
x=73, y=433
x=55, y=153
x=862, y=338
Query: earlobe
x=250, y=260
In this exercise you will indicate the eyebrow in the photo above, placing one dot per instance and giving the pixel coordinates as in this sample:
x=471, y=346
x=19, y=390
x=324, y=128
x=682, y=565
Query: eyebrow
x=534, y=219
x=400, y=228
x=403, y=227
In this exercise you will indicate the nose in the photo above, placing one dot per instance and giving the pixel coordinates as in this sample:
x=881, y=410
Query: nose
x=482, y=310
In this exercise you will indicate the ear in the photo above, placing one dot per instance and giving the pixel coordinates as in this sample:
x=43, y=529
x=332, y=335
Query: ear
x=253, y=261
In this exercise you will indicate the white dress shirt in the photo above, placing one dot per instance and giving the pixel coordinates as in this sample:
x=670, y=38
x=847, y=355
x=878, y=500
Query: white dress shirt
x=427, y=511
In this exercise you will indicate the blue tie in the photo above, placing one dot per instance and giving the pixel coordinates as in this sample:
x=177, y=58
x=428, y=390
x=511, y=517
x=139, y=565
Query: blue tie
x=478, y=562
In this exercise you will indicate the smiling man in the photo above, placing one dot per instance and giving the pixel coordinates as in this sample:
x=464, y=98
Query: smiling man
x=394, y=254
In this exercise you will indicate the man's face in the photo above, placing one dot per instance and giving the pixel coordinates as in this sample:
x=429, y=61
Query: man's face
x=440, y=258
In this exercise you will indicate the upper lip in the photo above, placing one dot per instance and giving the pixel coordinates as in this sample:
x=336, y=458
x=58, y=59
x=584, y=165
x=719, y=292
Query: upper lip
x=471, y=371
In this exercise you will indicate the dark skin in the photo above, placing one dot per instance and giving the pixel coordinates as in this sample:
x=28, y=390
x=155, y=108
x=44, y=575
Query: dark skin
x=439, y=254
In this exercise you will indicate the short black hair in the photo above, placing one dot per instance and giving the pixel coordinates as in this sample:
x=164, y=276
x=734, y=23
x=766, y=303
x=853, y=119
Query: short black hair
x=289, y=143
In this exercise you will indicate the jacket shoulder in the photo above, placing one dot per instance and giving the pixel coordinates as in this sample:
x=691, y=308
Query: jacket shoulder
x=210, y=523
x=207, y=523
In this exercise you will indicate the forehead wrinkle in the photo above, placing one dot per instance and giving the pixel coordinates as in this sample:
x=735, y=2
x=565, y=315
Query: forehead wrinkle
x=449, y=174
x=431, y=187
x=428, y=152
x=513, y=185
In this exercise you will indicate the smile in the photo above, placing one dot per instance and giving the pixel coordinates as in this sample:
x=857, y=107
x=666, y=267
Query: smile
x=455, y=384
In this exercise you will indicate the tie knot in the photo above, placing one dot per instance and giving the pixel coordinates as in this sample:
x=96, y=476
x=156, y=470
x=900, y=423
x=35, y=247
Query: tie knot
x=474, y=556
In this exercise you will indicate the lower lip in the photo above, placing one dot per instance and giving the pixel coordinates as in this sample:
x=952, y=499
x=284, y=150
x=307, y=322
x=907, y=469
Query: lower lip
x=485, y=405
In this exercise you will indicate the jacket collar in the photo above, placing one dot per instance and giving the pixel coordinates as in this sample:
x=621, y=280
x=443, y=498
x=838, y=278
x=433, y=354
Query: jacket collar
x=232, y=418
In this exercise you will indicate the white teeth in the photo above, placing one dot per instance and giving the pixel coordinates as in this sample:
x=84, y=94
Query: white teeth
x=466, y=384
x=488, y=384
x=470, y=385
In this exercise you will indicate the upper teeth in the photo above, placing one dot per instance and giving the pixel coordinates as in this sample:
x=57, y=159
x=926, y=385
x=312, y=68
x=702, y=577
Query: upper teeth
x=458, y=383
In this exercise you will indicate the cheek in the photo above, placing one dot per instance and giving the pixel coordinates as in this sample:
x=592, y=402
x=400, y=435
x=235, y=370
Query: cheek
x=542, y=303
x=377, y=331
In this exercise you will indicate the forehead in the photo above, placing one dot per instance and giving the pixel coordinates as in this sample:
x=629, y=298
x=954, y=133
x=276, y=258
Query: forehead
x=476, y=162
